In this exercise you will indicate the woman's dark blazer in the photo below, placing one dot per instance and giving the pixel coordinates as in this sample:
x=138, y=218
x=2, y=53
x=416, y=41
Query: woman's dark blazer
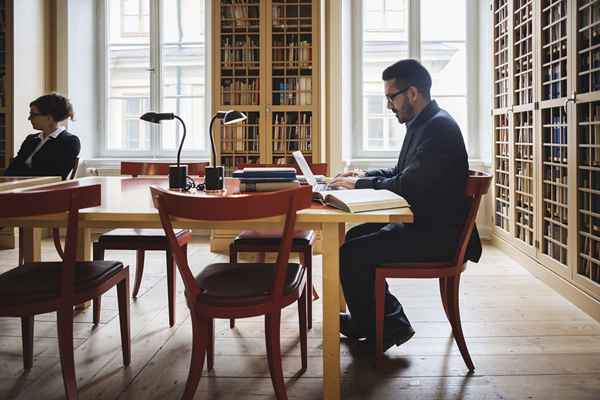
x=55, y=158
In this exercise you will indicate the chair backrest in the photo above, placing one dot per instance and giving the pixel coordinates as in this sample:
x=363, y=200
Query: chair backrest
x=135, y=168
x=53, y=200
x=74, y=170
x=231, y=208
x=478, y=184
x=317, y=169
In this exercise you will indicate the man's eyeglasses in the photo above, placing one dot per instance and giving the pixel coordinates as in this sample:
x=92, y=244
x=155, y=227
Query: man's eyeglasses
x=390, y=97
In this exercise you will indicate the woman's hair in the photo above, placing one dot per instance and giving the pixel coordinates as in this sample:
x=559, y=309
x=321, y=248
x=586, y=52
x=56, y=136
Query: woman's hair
x=55, y=105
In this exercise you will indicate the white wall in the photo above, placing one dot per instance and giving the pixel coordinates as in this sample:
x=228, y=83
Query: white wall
x=485, y=84
x=77, y=68
x=29, y=63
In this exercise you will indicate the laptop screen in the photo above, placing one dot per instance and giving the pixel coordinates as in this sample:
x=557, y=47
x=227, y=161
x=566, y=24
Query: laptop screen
x=301, y=161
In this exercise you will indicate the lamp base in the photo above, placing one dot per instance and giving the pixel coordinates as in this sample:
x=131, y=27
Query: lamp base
x=177, y=176
x=214, y=178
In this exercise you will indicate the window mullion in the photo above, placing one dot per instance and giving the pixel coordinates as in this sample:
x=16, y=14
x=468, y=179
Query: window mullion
x=156, y=74
x=414, y=29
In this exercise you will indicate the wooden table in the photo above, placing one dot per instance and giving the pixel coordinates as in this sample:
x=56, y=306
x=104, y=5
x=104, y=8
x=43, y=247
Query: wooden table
x=126, y=203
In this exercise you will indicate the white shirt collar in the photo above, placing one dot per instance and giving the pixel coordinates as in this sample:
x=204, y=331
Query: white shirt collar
x=54, y=134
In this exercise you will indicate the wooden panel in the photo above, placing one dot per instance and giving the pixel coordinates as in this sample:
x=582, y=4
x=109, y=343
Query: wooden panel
x=501, y=18
x=501, y=168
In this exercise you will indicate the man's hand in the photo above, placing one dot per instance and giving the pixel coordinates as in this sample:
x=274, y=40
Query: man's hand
x=345, y=182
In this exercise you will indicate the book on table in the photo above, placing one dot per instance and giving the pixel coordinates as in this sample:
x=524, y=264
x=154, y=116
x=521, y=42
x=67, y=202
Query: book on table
x=269, y=186
x=265, y=173
x=361, y=200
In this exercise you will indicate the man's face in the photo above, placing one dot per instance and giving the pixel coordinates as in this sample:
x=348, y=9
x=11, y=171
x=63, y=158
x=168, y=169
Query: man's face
x=400, y=103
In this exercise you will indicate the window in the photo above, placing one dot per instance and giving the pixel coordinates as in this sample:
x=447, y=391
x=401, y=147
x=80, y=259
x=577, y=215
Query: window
x=154, y=66
x=389, y=30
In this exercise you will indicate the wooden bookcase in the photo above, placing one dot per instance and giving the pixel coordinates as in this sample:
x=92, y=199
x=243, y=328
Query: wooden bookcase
x=546, y=130
x=267, y=64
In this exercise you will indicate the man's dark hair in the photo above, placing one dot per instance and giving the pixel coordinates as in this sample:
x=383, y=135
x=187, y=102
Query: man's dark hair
x=407, y=73
x=55, y=105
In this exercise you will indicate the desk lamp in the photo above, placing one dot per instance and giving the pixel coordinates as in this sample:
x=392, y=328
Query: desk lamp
x=215, y=174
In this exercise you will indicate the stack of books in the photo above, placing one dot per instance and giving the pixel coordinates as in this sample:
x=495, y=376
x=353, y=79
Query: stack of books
x=266, y=179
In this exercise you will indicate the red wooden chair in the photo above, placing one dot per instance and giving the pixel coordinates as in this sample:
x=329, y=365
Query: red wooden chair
x=226, y=290
x=447, y=272
x=262, y=242
x=41, y=287
x=142, y=240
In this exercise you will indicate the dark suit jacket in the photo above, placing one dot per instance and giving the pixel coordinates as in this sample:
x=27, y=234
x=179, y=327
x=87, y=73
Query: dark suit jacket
x=431, y=174
x=55, y=158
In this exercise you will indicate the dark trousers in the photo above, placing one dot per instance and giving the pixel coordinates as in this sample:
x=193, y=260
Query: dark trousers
x=369, y=245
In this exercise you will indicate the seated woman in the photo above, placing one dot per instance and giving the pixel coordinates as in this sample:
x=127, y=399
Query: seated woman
x=53, y=151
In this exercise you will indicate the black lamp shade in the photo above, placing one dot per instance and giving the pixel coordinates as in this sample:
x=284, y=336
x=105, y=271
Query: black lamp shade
x=155, y=117
x=233, y=117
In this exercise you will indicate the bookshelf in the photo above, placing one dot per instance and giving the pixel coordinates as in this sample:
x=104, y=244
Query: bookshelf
x=268, y=67
x=546, y=134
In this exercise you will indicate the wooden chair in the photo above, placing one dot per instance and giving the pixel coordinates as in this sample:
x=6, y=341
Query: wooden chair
x=447, y=272
x=42, y=287
x=252, y=241
x=226, y=290
x=142, y=240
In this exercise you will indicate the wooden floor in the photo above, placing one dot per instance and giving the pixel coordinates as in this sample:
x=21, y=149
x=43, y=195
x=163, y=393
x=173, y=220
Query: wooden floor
x=526, y=341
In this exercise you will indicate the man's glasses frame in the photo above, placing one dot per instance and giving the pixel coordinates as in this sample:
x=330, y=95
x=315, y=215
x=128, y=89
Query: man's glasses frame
x=390, y=97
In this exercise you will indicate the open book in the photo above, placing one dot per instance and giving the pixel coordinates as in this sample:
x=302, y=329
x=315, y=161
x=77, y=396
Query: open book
x=359, y=200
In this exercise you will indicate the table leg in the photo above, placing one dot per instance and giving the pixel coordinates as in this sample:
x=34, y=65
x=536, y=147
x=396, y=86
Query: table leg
x=84, y=253
x=331, y=307
x=32, y=244
x=342, y=229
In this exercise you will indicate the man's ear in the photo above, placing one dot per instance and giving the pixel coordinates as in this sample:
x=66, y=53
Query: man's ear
x=413, y=93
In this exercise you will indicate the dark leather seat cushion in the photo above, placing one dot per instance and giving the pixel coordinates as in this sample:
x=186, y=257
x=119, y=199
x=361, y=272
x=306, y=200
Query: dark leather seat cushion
x=124, y=234
x=247, y=283
x=41, y=280
x=273, y=238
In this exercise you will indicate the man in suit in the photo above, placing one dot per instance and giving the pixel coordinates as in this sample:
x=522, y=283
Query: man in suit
x=431, y=175
x=53, y=151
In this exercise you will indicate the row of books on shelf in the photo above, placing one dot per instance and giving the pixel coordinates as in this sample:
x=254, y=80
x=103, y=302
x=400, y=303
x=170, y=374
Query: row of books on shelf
x=555, y=185
x=590, y=201
x=294, y=91
x=231, y=162
x=555, y=154
x=281, y=17
x=240, y=11
x=554, y=55
x=525, y=202
x=524, y=64
x=589, y=82
x=557, y=214
x=292, y=137
x=590, y=257
x=502, y=178
x=502, y=216
x=293, y=53
x=236, y=52
x=234, y=91
x=590, y=35
x=502, y=149
x=523, y=171
x=556, y=11
x=553, y=249
x=524, y=219
x=240, y=139
x=525, y=12
x=524, y=235
x=524, y=152
x=523, y=130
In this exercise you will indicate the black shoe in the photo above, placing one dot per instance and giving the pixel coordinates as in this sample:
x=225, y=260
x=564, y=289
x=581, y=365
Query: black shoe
x=348, y=329
x=397, y=338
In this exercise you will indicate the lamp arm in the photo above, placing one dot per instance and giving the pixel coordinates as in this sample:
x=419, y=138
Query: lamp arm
x=182, y=140
x=212, y=142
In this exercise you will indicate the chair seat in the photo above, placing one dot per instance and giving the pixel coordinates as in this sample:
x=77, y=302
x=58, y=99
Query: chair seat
x=125, y=234
x=247, y=283
x=41, y=280
x=273, y=238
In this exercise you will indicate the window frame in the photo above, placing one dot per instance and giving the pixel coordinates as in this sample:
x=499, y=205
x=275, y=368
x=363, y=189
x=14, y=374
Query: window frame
x=156, y=82
x=358, y=132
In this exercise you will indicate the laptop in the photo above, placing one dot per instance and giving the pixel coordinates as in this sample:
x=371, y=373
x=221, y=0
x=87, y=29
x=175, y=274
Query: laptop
x=309, y=176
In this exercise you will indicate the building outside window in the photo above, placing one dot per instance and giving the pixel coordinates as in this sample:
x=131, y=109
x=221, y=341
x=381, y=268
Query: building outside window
x=155, y=59
x=387, y=34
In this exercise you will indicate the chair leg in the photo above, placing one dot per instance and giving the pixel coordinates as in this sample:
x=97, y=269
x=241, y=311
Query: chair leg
x=232, y=260
x=443, y=295
x=199, y=341
x=453, y=283
x=139, y=271
x=98, y=254
x=124, y=318
x=97, y=305
x=171, y=282
x=306, y=260
x=379, y=315
x=210, y=348
x=302, y=316
x=57, y=243
x=21, y=249
x=65, y=345
x=27, y=334
x=272, y=336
